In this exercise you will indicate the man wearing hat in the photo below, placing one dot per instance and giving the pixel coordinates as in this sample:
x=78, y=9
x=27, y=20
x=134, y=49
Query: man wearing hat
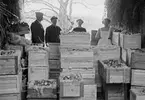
x=53, y=32
x=37, y=29
x=79, y=28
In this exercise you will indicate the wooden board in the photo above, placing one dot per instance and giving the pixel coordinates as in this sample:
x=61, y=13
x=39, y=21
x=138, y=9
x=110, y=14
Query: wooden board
x=130, y=41
x=40, y=99
x=38, y=73
x=124, y=55
x=71, y=98
x=42, y=89
x=15, y=47
x=10, y=96
x=10, y=84
x=8, y=65
x=54, y=75
x=38, y=58
x=138, y=77
x=114, y=75
x=116, y=38
x=137, y=94
x=106, y=52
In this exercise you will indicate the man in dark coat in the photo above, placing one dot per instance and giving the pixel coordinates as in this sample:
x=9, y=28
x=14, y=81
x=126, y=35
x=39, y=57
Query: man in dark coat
x=79, y=28
x=53, y=32
x=37, y=29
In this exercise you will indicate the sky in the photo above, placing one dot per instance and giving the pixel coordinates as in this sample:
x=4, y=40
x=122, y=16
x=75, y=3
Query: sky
x=92, y=15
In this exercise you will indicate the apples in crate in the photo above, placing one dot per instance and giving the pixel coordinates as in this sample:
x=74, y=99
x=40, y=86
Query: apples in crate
x=70, y=85
x=42, y=89
x=137, y=94
x=114, y=71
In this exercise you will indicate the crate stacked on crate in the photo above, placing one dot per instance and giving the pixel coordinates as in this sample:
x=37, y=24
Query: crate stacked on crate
x=115, y=76
x=54, y=60
x=137, y=91
x=10, y=75
x=77, y=57
x=40, y=87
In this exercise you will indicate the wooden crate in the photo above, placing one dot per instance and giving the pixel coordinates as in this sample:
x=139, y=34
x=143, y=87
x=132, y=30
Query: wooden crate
x=40, y=99
x=38, y=58
x=138, y=60
x=116, y=38
x=114, y=75
x=129, y=56
x=71, y=89
x=124, y=55
x=71, y=98
x=93, y=39
x=137, y=94
x=138, y=77
x=130, y=41
x=38, y=73
x=54, y=75
x=10, y=96
x=115, y=91
x=108, y=52
x=8, y=65
x=54, y=51
x=10, y=84
x=76, y=63
x=54, y=64
x=42, y=89
x=15, y=47
x=78, y=39
x=90, y=92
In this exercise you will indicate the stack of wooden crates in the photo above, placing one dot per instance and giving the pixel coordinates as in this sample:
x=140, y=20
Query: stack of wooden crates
x=77, y=61
x=40, y=86
x=11, y=73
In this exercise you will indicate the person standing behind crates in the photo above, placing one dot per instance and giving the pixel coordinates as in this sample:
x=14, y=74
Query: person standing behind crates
x=37, y=29
x=53, y=32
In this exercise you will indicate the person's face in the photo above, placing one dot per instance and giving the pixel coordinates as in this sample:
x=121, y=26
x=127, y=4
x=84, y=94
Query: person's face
x=106, y=22
x=80, y=23
x=54, y=21
x=39, y=18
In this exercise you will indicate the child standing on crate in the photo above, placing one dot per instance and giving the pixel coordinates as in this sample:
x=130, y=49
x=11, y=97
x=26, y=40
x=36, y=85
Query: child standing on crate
x=103, y=36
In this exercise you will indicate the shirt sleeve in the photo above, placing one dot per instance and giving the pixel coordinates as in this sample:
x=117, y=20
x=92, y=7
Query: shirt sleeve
x=47, y=35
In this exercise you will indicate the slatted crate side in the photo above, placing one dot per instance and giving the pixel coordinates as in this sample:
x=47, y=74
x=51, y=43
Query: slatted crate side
x=54, y=64
x=40, y=99
x=114, y=75
x=106, y=52
x=8, y=65
x=38, y=73
x=76, y=63
x=130, y=41
x=115, y=91
x=10, y=84
x=116, y=38
x=38, y=58
x=124, y=55
x=10, y=96
x=138, y=77
x=42, y=89
x=71, y=89
x=54, y=75
x=137, y=94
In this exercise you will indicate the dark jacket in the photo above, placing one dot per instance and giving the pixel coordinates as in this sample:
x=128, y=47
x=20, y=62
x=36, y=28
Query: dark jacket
x=52, y=34
x=37, y=31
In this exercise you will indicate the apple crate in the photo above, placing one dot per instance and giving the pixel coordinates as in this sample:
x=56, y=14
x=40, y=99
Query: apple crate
x=114, y=74
x=38, y=73
x=54, y=75
x=8, y=65
x=124, y=55
x=10, y=96
x=38, y=58
x=115, y=91
x=116, y=38
x=15, y=47
x=42, y=89
x=41, y=99
x=106, y=52
x=71, y=89
x=138, y=60
x=54, y=51
x=137, y=94
x=76, y=63
x=79, y=39
x=138, y=77
x=10, y=84
x=130, y=41
x=54, y=64
x=90, y=92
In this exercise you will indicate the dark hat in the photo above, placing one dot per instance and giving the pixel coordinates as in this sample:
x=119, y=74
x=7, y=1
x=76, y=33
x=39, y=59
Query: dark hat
x=80, y=20
x=39, y=14
x=54, y=17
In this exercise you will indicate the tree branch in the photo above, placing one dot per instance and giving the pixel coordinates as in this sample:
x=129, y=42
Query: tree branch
x=81, y=4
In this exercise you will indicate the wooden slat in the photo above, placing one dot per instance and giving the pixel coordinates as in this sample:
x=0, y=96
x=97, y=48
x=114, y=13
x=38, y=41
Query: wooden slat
x=10, y=96
x=137, y=94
